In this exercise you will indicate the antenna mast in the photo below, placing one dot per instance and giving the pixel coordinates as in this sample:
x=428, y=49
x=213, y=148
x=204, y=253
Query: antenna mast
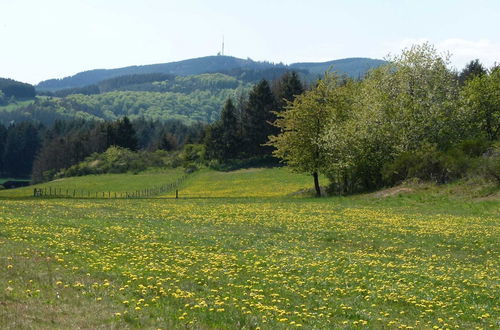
x=222, y=53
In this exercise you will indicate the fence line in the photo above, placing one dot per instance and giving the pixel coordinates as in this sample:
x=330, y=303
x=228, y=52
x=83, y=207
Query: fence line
x=80, y=193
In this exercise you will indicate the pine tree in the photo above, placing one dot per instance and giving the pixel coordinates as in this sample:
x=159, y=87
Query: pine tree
x=257, y=120
x=231, y=136
x=3, y=138
x=21, y=145
x=122, y=134
x=472, y=69
x=223, y=140
x=287, y=88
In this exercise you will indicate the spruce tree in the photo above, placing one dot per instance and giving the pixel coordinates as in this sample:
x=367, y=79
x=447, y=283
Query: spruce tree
x=287, y=88
x=122, y=134
x=231, y=137
x=472, y=69
x=223, y=139
x=257, y=120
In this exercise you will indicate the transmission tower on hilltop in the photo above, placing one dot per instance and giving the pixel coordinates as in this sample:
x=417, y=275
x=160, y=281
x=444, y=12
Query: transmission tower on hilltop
x=221, y=53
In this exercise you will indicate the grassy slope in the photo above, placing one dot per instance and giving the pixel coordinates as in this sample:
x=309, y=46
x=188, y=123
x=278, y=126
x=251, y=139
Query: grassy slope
x=100, y=183
x=255, y=182
x=418, y=260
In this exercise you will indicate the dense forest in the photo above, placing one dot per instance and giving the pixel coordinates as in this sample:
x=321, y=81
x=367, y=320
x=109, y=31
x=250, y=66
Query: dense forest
x=11, y=90
x=154, y=96
x=191, y=90
x=32, y=149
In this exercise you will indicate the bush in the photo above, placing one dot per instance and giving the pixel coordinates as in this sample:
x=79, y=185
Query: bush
x=117, y=160
x=488, y=165
x=429, y=164
x=472, y=158
x=192, y=154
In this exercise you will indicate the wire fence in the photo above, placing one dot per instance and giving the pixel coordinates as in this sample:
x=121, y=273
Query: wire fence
x=58, y=192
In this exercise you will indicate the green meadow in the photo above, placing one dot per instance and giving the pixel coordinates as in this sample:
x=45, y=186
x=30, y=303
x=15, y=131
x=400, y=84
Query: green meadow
x=247, y=249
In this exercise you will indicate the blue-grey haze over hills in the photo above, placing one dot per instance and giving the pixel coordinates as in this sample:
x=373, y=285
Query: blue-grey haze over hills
x=353, y=67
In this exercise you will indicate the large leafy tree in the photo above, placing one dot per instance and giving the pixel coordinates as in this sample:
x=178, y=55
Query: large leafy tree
x=481, y=100
x=414, y=99
x=302, y=126
x=399, y=107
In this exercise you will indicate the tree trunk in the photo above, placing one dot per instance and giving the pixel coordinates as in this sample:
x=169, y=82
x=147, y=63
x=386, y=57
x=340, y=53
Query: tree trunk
x=316, y=184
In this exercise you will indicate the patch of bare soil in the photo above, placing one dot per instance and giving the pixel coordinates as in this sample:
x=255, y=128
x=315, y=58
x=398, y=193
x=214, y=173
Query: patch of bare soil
x=245, y=170
x=393, y=191
x=492, y=197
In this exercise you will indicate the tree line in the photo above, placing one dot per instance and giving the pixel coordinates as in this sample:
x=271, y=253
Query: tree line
x=411, y=118
x=29, y=149
x=241, y=132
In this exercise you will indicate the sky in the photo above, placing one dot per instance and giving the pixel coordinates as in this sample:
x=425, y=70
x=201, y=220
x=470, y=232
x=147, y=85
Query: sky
x=47, y=39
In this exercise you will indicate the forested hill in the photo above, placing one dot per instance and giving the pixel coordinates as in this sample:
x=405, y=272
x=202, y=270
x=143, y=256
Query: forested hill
x=12, y=88
x=355, y=67
x=233, y=66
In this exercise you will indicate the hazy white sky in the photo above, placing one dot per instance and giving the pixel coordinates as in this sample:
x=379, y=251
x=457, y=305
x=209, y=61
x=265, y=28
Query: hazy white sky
x=42, y=39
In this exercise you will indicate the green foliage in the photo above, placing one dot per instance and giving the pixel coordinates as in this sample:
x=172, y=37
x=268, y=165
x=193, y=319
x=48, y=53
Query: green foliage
x=286, y=88
x=302, y=126
x=11, y=88
x=122, y=134
x=406, y=119
x=223, y=140
x=426, y=163
x=116, y=160
x=198, y=106
x=488, y=166
x=244, y=70
x=480, y=100
x=193, y=155
x=19, y=145
x=472, y=69
x=257, y=119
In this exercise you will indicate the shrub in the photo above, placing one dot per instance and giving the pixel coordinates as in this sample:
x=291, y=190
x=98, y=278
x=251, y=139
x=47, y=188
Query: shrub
x=488, y=165
x=117, y=160
x=430, y=164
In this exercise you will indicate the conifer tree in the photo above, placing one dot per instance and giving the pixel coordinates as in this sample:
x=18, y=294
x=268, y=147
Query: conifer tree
x=287, y=88
x=231, y=137
x=122, y=134
x=472, y=69
x=224, y=137
x=257, y=119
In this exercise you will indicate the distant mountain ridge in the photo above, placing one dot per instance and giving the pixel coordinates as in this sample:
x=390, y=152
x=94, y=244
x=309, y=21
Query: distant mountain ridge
x=354, y=67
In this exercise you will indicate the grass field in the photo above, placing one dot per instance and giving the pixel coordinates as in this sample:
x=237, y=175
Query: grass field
x=419, y=260
x=102, y=183
x=255, y=182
